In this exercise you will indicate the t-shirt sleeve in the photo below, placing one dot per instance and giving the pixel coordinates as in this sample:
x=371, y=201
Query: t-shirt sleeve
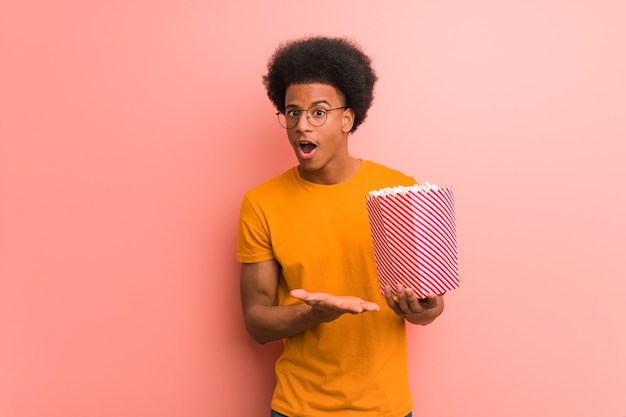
x=253, y=237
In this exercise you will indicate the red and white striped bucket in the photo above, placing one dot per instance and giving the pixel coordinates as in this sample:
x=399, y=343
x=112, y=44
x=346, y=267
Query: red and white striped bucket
x=414, y=235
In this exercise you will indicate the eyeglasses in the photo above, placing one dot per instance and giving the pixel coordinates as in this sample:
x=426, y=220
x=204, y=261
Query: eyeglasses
x=316, y=116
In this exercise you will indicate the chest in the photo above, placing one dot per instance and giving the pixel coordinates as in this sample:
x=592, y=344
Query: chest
x=314, y=234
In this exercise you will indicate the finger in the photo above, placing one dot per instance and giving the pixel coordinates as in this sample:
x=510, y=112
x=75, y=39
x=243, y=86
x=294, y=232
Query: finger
x=389, y=296
x=308, y=297
x=403, y=302
x=390, y=300
x=413, y=302
x=430, y=301
x=356, y=304
x=300, y=294
x=369, y=306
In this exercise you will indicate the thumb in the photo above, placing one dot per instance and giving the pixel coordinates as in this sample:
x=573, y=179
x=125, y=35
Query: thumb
x=300, y=294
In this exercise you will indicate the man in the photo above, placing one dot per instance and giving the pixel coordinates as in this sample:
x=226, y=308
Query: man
x=308, y=271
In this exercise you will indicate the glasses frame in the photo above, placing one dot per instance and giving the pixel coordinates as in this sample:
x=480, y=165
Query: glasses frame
x=308, y=118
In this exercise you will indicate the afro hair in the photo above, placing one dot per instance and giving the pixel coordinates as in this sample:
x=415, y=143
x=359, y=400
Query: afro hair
x=333, y=61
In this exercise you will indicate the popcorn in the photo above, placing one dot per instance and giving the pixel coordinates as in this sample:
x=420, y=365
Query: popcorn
x=401, y=189
x=414, y=235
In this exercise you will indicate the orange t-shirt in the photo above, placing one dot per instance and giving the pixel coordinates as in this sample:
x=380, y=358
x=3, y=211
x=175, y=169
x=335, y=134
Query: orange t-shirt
x=320, y=236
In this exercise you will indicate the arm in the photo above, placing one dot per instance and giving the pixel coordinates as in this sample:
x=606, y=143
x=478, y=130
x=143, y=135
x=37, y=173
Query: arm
x=267, y=321
x=413, y=309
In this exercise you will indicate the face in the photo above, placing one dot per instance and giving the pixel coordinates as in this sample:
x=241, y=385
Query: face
x=322, y=151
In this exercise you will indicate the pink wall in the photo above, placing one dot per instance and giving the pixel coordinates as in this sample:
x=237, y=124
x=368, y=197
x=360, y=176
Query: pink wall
x=130, y=130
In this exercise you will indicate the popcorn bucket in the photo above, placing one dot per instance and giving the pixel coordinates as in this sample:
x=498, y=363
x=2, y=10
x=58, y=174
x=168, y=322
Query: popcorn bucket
x=414, y=235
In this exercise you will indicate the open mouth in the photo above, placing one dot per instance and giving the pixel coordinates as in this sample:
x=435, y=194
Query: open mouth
x=307, y=147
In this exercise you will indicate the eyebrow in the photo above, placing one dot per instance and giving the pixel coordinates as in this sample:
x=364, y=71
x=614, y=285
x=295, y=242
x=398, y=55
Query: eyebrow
x=315, y=103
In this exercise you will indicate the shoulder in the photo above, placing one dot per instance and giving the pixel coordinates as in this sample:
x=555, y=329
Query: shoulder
x=270, y=188
x=273, y=193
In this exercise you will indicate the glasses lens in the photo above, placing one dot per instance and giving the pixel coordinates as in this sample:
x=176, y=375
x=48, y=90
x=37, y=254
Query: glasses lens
x=317, y=116
x=287, y=122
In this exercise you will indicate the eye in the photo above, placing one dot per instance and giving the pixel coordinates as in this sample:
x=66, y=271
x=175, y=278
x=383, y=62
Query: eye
x=318, y=113
x=293, y=113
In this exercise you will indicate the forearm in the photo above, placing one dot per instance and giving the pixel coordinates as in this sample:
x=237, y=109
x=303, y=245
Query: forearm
x=268, y=323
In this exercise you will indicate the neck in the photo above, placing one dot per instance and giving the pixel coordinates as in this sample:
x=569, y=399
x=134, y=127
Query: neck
x=329, y=176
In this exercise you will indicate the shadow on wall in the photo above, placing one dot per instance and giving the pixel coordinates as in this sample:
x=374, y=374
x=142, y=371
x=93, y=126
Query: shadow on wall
x=262, y=153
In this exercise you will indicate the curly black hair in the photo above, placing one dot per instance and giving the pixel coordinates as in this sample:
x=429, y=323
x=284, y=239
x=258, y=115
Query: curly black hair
x=334, y=61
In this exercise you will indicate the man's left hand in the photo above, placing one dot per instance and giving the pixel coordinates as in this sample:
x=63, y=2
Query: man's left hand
x=415, y=310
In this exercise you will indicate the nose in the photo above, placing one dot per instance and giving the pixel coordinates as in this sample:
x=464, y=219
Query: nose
x=303, y=125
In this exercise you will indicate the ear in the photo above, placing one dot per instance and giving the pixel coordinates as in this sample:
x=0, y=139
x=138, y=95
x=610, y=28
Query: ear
x=347, y=120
